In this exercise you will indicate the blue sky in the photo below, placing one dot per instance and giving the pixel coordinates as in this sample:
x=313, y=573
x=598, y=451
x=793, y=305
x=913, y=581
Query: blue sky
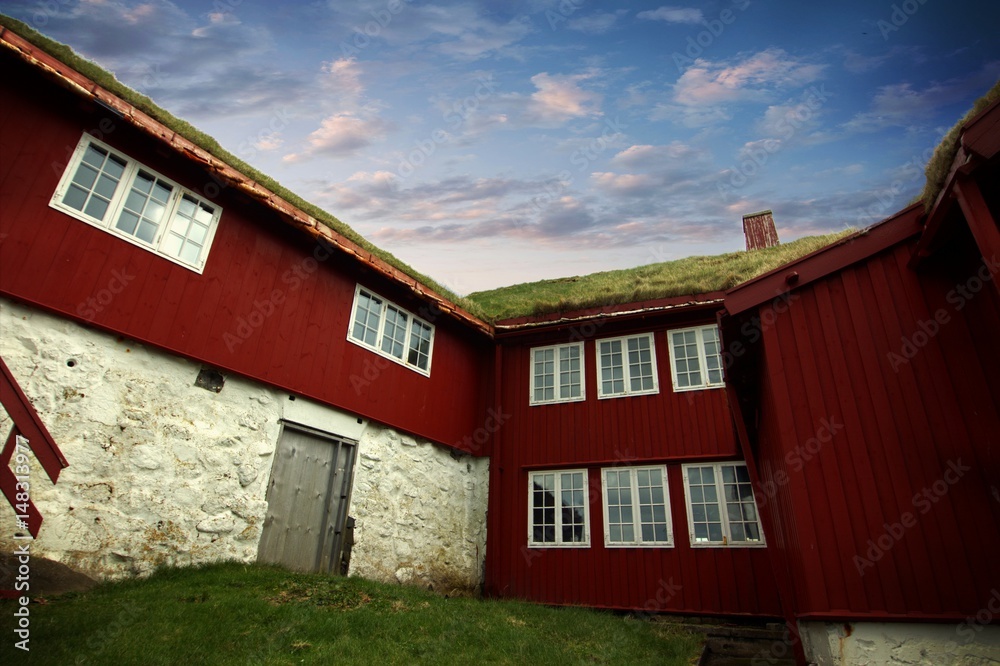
x=490, y=143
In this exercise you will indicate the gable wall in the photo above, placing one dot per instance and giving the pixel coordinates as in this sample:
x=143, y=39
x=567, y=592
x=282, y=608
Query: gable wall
x=891, y=516
x=666, y=427
x=263, y=308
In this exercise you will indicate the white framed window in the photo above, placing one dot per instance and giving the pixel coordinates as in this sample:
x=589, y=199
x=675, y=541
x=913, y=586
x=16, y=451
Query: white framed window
x=636, y=507
x=695, y=358
x=557, y=374
x=389, y=330
x=558, y=509
x=720, y=505
x=626, y=366
x=109, y=190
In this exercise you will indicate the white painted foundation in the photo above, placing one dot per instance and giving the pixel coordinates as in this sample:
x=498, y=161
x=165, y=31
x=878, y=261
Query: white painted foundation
x=969, y=643
x=164, y=472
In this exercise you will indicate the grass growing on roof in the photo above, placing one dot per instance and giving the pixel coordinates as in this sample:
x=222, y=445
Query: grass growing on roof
x=107, y=80
x=234, y=613
x=940, y=163
x=692, y=275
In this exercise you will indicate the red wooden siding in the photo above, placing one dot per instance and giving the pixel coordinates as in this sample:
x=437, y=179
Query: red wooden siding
x=904, y=427
x=57, y=262
x=667, y=427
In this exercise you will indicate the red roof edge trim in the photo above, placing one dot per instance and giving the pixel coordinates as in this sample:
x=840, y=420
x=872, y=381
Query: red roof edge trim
x=293, y=216
x=826, y=260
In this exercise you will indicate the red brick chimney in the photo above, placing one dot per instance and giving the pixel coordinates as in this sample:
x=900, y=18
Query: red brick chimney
x=759, y=230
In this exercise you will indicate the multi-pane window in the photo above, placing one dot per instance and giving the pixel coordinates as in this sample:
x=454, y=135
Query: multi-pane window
x=720, y=505
x=109, y=190
x=420, y=344
x=558, y=509
x=394, y=333
x=636, y=507
x=391, y=331
x=557, y=374
x=626, y=366
x=695, y=358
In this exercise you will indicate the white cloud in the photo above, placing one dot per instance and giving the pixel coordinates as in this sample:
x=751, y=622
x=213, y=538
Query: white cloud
x=343, y=78
x=672, y=15
x=561, y=97
x=624, y=183
x=597, y=23
x=902, y=105
x=752, y=78
x=673, y=155
x=269, y=141
x=341, y=135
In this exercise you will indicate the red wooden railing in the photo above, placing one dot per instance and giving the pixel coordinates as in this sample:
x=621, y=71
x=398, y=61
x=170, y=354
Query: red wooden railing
x=28, y=426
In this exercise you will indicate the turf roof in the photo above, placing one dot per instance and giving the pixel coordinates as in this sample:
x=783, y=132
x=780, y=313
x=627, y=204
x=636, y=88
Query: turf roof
x=689, y=276
x=940, y=162
x=107, y=81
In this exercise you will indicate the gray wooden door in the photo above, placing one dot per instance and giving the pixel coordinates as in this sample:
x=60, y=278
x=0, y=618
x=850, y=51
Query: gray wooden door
x=307, y=500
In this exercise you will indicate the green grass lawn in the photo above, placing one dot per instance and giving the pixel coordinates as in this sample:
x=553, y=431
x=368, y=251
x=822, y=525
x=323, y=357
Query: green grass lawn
x=233, y=613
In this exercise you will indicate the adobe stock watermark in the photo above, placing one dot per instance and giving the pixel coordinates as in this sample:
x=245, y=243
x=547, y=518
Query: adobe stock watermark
x=797, y=459
x=47, y=10
x=247, y=149
x=372, y=368
x=922, y=502
x=104, y=127
x=364, y=34
x=753, y=329
x=581, y=158
x=696, y=44
x=898, y=16
x=100, y=640
x=562, y=12
x=928, y=329
x=22, y=502
x=756, y=157
x=971, y=626
x=263, y=309
x=456, y=116
x=778, y=651
x=495, y=419
x=666, y=590
x=886, y=199
x=91, y=307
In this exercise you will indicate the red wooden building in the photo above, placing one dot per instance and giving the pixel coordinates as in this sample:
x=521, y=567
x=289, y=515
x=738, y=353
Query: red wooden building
x=891, y=336
x=629, y=431
x=818, y=444
x=135, y=265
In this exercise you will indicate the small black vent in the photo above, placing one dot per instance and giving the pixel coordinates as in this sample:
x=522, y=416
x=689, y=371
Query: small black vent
x=210, y=380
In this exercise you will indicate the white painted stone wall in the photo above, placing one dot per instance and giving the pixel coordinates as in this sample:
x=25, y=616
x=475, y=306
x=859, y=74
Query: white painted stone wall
x=410, y=528
x=164, y=472
x=970, y=643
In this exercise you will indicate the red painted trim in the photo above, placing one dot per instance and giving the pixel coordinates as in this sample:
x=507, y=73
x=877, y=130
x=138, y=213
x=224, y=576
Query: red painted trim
x=856, y=247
